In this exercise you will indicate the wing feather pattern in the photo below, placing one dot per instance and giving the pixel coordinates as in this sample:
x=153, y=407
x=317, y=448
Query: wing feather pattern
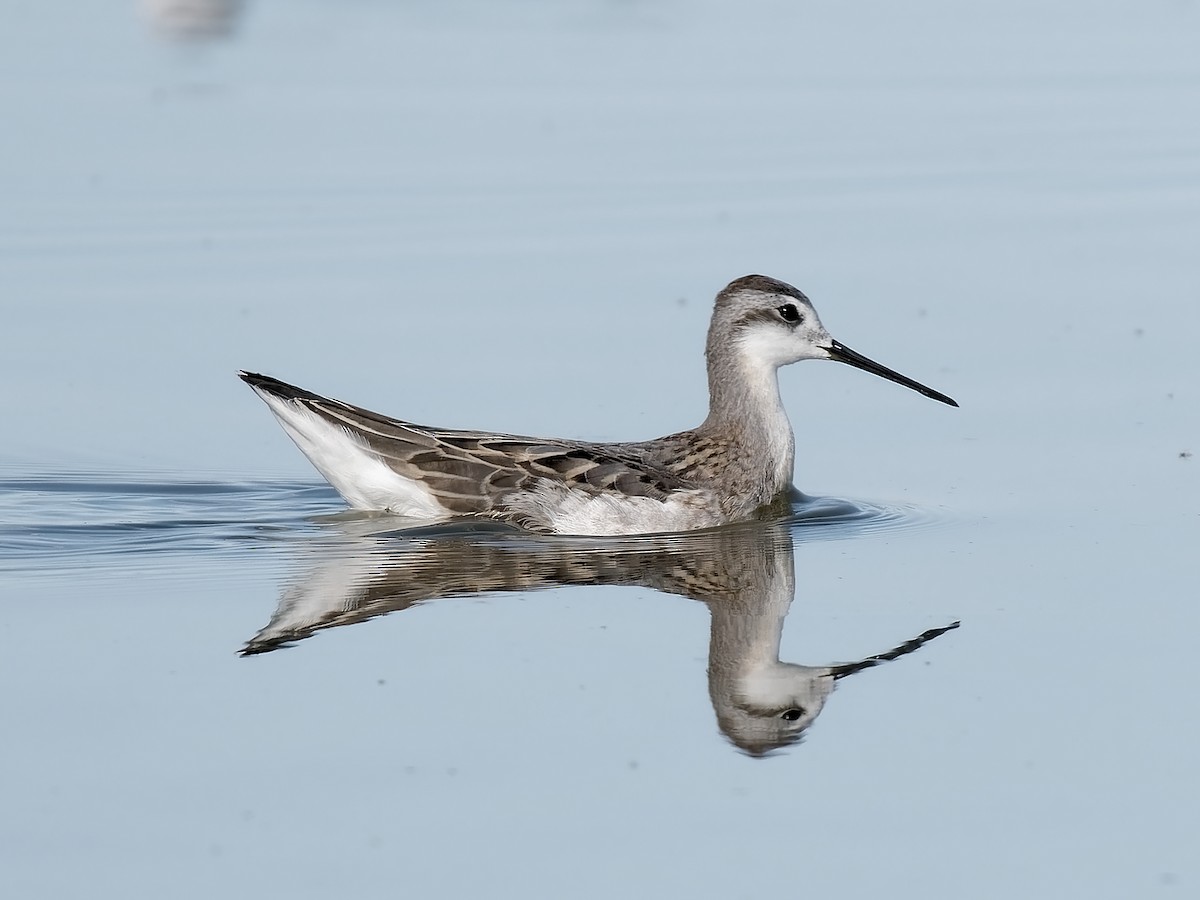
x=475, y=473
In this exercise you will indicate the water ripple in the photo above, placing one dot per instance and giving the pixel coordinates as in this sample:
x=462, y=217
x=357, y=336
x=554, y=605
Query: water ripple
x=835, y=517
x=65, y=522
x=56, y=521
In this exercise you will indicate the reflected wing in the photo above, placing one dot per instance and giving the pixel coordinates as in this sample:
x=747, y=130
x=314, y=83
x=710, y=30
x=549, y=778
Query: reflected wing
x=388, y=571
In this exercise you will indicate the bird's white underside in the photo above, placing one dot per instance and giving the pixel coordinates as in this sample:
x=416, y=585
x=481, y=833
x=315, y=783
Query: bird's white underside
x=572, y=511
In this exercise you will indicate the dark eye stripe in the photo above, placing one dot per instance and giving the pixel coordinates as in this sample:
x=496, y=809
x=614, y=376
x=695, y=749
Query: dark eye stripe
x=771, y=314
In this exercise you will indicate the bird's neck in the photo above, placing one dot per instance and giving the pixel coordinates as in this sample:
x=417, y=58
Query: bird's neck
x=744, y=408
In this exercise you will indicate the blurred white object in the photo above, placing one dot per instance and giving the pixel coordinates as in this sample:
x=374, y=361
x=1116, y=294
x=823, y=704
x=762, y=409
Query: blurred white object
x=191, y=20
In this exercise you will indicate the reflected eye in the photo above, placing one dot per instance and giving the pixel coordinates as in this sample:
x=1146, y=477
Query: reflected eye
x=789, y=313
x=791, y=715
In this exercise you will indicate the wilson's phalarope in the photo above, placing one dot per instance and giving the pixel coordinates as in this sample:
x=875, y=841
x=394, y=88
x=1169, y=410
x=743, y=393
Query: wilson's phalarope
x=735, y=462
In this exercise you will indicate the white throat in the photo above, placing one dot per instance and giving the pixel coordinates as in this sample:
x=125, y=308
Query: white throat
x=760, y=377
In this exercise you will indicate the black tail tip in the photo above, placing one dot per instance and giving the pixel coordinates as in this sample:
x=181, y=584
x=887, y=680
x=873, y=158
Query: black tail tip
x=265, y=384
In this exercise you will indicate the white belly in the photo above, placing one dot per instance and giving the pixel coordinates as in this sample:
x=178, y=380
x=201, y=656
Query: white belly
x=565, y=511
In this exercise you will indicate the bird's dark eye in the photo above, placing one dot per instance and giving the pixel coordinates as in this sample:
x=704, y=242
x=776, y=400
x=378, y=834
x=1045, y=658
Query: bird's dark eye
x=791, y=715
x=789, y=313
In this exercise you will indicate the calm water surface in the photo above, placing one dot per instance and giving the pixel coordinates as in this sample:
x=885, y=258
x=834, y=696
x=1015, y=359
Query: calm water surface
x=514, y=216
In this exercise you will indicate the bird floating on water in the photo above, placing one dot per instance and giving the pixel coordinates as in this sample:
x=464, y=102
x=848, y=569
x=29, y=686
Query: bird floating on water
x=735, y=462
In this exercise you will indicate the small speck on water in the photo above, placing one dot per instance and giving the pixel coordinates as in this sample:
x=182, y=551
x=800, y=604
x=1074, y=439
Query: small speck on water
x=1185, y=454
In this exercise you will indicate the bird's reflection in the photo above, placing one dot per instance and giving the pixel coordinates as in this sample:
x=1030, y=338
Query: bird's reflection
x=745, y=574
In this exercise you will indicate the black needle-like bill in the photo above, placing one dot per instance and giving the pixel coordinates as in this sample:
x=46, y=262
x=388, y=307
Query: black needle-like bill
x=842, y=353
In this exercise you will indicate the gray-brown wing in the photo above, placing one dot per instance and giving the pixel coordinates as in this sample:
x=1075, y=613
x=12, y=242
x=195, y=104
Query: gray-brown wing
x=471, y=473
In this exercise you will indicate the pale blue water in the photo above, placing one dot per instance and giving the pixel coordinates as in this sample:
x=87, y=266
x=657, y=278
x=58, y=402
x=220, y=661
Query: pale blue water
x=514, y=216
